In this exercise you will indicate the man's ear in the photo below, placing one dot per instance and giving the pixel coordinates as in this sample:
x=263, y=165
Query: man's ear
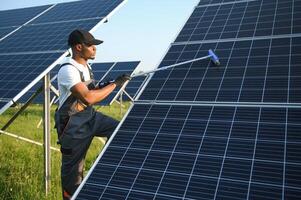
x=78, y=47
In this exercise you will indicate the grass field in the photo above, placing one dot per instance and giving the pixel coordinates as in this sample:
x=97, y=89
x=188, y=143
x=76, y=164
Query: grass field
x=22, y=163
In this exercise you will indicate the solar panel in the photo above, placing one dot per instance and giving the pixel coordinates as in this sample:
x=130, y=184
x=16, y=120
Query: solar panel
x=17, y=17
x=100, y=69
x=265, y=70
x=196, y=152
x=39, y=99
x=134, y=86
x=78, y=11
x=17, y=71
x=245, y=19
x=44, y=37
x=5, y=31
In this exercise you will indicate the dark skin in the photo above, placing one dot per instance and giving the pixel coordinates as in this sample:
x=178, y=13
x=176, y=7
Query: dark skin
x=81, y=53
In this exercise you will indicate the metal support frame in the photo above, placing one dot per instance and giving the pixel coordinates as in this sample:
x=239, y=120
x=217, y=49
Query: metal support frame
x=28, y=102
x=47, y=132
x=39, y=90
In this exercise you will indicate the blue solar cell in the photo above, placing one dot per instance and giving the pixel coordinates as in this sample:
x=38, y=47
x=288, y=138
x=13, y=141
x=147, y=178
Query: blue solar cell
x=40, y=98
x=78, y=11
x=244, y=19
x=100, y=69
x=125, y=66
x=5, y=31
x=162, y=160
x=17, y=71
x=2, y=103
x=45, y=37
x=18, y=17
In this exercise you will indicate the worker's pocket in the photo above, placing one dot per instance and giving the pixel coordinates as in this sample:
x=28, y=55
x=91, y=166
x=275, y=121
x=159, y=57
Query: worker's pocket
x=79, y=125
x=66, y=144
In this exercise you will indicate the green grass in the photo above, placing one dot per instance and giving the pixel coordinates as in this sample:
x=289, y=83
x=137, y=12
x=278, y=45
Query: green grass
x=22, y=163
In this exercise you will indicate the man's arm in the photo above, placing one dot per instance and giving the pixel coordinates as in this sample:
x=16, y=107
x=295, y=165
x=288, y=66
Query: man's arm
x=91, y=97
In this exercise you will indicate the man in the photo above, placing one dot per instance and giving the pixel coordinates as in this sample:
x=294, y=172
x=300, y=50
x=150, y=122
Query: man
x=76, y=121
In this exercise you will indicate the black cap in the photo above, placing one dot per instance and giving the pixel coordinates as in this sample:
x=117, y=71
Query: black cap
x=80, y=36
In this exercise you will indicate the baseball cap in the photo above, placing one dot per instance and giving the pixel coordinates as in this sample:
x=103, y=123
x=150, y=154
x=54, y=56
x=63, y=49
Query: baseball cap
x=80, y=36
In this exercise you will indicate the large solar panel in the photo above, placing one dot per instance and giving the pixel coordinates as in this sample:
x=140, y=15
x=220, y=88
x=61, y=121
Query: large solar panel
x=200, y=131
x=196, y=152
x=266, y=70
x=245, y=19
x=46, y=35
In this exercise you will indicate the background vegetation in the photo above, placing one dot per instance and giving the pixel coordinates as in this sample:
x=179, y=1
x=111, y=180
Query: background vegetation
x=22, y=163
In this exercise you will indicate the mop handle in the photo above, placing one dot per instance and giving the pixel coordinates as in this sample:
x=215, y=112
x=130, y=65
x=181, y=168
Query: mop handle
x=170, y=66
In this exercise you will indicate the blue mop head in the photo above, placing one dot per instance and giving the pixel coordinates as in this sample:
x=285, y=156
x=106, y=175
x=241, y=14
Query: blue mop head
x=214, y=57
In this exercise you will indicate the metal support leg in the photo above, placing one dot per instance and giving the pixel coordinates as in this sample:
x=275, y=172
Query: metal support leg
x=47, y=131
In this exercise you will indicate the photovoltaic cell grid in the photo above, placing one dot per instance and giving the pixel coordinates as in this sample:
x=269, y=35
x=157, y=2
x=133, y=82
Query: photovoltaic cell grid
x=266, y=70
x=246, y=19
x=43, y=37
x=134, y=86
x=196, y=152
x=17, y=71
x=5, y=31
x=17, y=17
x=100, y=69
x=40, y=98
x=78, y=11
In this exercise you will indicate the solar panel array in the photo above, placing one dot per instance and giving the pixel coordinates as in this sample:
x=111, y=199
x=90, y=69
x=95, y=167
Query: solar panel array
x=200, y=131
x=196, y=152
x=40, y=40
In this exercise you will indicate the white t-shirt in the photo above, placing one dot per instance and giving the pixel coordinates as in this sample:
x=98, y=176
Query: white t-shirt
x=68, y=76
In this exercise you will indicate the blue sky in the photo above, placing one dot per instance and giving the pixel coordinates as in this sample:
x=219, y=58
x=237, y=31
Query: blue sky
x=140, y=30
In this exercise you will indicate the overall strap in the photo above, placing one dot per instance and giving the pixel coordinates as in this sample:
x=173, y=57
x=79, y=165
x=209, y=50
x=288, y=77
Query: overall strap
x=90, y=72
x=80, y=72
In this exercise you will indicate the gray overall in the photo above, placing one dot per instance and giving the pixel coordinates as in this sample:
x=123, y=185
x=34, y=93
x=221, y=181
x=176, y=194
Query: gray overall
x=76, y=130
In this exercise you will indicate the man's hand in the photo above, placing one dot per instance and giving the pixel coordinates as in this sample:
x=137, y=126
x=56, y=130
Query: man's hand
x=122, y=79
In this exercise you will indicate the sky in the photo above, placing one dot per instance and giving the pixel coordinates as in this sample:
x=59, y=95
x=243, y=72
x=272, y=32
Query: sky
x=140, y=30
